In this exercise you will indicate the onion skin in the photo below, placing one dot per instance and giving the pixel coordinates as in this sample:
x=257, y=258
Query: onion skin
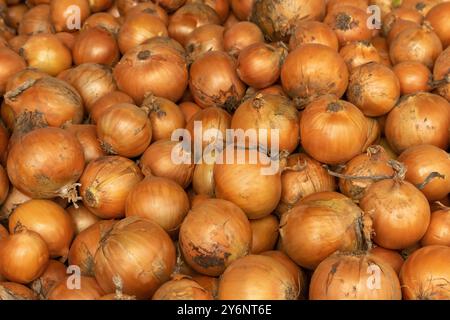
x=264, y=234
x=438, y=18
x=89, y=290
x=211, y=284
x=100, y=5
x=400, y=14
x=14, y=199
x=313, y=32
x=240, y=36
x=221, y=7
x=425, y=274
x=61, y=14
x=4, y=185
x=359, y=53
x=10, y=63
x=87, y=136
x=398, y=27
x=420, y=162
x=441, y=74
x=413, y=76
x=257, y=277
x=107, y=101
x=36, y=20
x=182, y=288
x=203, y=179
x=389, y=257
x=381, y=45
x=102, y=20
x=82, y=218
x=438, y=232
x=350, y=277
x=67, y=39
x=95, y=45
x=189, y=110
x=143, y=239
x=53, y=274
x=105, y=185
x=335, y=4
x=15, y=291
x=15, y=14
x=242, y=9
x=203, y=39
x=422, y=6
x=149, y=8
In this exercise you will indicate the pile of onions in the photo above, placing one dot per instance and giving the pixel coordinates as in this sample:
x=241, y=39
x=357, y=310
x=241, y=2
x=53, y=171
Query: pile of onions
x=421, y=118
x=313, y=32
x=42, y=169
x=264, y=234
x=320, y=225
x=389, y=257
x=82, y=218
x=36, y=20
x=216, y=87
x=15, y=198
x=87, y=136
x=241, y=35
x=182, y=288
x=95, y=45
x=53, y=274
x=358, y=53
x=203, y=39
x=351, y=276
x=15, y=291
x=255, y=186
x=159, y=70
x=413, y=76
x=426, y=274
x=165, y=117
x=438, y=232
x=438, y=18
x=257, y=277
x=105, y=185
x=107, y=101
x=24, y=256
x=88, y=290
x=102, y=20
x=157, y=160
x=333, y=131
x=152, y=249
x=64, y=14
x=242, y=9
x=10, y=63
x=306, y=74
x=85, y=245
x=49, y=220
x=160, y=200
x=441, y=74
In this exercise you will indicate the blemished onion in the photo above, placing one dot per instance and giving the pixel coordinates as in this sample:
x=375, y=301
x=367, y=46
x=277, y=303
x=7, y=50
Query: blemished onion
x=428, y=168
x=221, y=7
x=182, y=288
x=100, y=5
x=241, y=35
x=399, y=14
x=438, y=232
x=399, y=211
x=425, y=275
x=107, y=101
x=15, y=291
x=87, y=136
x=211, y=284
x=350, y=276
x=46, y=53
x=102, y=20
x=335, y=4
x=154, y=254
x=149, y=8
x=373, y=164
x=65, y=17
x=165, y=116
x=159, y=70
x=264, y=234
x=277, y=19
x=242, y=9
x=313, y=32
x=269, y=112
x=441, y=74
x=4, y=185
x=416, y=44
x=216, y=87
x=203, y=39
x=413, y=76
x=259, y=65
x=15, y=14
x=421, y=118
x=10, y=64
x=159, y=199
x=14, y=199
x=24, y=256
x=85, y=245
x=389, y=257
x=189, y=109
x=95, y=45
x=349, y=23
x=213, y=235
x=36, y=20
x=67, y=39
x=398, y=27
x=53, y=274
x=356, y=54
x=189, y=17
x=203, y=179
x=42, y=169
x=82, y=218
x=49, y=220
x=125, y=130
x=345, y=134
x=257, y=277
x=423, y=6
x=105, y=185
x=438, y=18
x=306, y=74
x=21, y=77
x=67, y=290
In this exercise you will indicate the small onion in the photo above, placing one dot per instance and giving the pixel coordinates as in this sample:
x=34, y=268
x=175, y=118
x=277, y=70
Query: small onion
x=441, y=74
x=413, y=76
x=95, y=45
x=182, y=288
x=313, y=32
x=241, y=35
x=264, y=234
x=438, y=18
x=242, y=8
x=65, y=290
x=203, y=39
x=14, y=199
x=189, y=110
x=69, y=15
x=438, y=232
x=53, y=274
x=107, y=101
x=15, y=291
x=87, y=136
x=82, y=218
x=356, y=54
x=102, y=20
x=36, y=20
x=389, y=257
x=10, y=64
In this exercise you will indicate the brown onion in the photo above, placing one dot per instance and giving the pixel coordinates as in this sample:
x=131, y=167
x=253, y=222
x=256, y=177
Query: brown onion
x=241, y=35
x=203, y=178
x=438, y=232
x=423, y=6
x=4, y=185
x=211, y=284
x=36, y=20
x=10, y=63
x=107, y=101
x=102, y=20
x=15, y=15
x=335, y=4
x=105, y=185
x=100, y=5
x=95, y=45
x=221, y=7
x=14, y=199
x=69, y=15
x=16, y=43
x=400, y=14
x=398, y=27
x=67, y=39
x=389, y=257
x=82, y=218
x=242, y=8
x=438, y=18
x=166, y=41
x=181, y=288
x=264, y=234
x=413, y=76
x=203, y=39
x=441, y=74
x=53, y=274
x=153, y=252
x=189, y=110
x=88, y=290
x=15, y=291
x=313, y=32
x=149, y=8
x=356, y=54
x=87, y=136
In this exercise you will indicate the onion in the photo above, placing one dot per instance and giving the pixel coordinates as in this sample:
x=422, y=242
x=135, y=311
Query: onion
x=428, y=168
x=441, y=74
x=438, y=18
x=275, y=89
x=259, y=65
x=203, y=178
x=85, y=245
x=257, y=277
x=153, y=252
x=438, y=232
x=67, y=39
x=421, y=118
x=277, y=19
x=269, y=112
x=65, y=18
x=354, y=277
x=398, y=27
x=15, y=291
x=335, y=4
x=36, y=20
x=124, y=129
x=88, y=290
x=306, y=74
x=24, y=256
x=53, y=274
x=102, y=20
x=359, y=53
x=313, y=32
x=105, y=185
x=210, y=284
x=166, y=41
x=181, y=266
x=4, y=185
x=87, y=136
x=21, y=77
x=242, y=8
x=413, y=76
x=149, y=8
x=189, y=110
x=10, y=63
x=100, y=5
x=389, y=257
x=203, y=39
x=426, y=274
x=190, y=17
x=42, y=174
x=416, y=44
x=181, y=288
x=15, y=43
x=386, y=6
x=4, y=139
x=231, y=21
x=215, y=87
x=14, y=199
x=159, y=199
x=221, y=7
x=264, y=234
x=95, y=45
x=240, y=36
x=423, y=6
x=165, y=116
x=15, y=14
x=159, y=70
x=383, y=50
x=400, y=14
x=107, y=101
x=82, y=218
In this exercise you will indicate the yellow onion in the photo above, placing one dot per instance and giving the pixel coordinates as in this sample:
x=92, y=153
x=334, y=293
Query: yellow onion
x=67, y=39
x=53, y=274
x=189, y=109
x=203, y=178
x=107, y=101
x=221, y=7
x=441, y=74
x=10, y=63
x=422, y=6
x=398, y=15
x=69, y=15
x=87, y=136
x=14, y=199
x=437, y=17
x=358, y=53
x=242, y=8
x=181, y=288
x=313, y=32
x=203, y=39
x=438, y=232
x=82, y=218
x=413, y=77
x=36, y=20
x=389, y=257
x=210, y=284
x=100, y=5
x=241, y=35
x=16, y=43
x=149, y=8
x=95, y=45
x=15, y=291
x=102, y=20
x=264, y=234
x=67, y=290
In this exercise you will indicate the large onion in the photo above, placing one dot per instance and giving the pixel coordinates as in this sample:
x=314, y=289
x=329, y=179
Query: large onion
x=95, y=45
x=438, y=18
x=10, y=63
x=438, y=232
x=313, y=32
x=413, y=77
x=182, y=288
x=106, y=102
x=87, y=136
x=53, y=274
x=241, y=35
x=203, y=39
x=389, y=257
x=69, y=15
x=36, y=20
x=264, y=234
x=88, y=290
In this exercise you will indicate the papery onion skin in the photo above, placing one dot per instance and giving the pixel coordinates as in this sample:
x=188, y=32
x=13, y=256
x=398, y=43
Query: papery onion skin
x=89, y=290
x=182, y=288
x=36, y=20
x=264, y=234
x=102, y=20
x=211, y=284
x=95, y=45
x=390, y=257
x=438, y=18
x=413, y=76
x=438, y=232
x=82, y=218
x=241, y=35
x=87, y=136
x=100, y=5
x=313, y=32
x=203, y=179
x=203, y=39
x=15, y=291
x=425, y=275
x=359, y=53
x=107, y=101
x=15, y=198
x=10, y=63
x=65, y=14
x=53, y=274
